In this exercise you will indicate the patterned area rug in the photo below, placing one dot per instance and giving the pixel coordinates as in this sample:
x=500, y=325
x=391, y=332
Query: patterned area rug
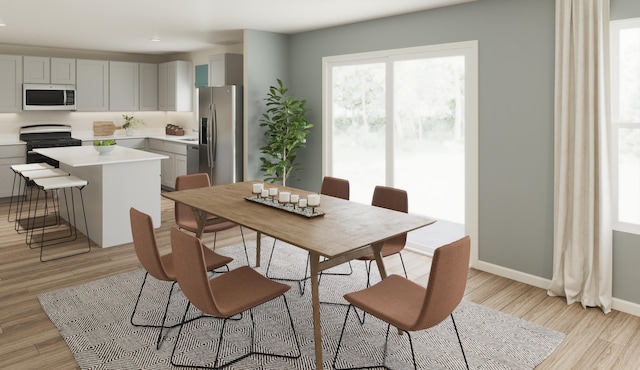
x=94, y=320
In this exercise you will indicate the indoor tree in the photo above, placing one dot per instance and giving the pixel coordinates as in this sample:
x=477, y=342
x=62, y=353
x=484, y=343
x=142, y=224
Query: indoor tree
x=286, y=132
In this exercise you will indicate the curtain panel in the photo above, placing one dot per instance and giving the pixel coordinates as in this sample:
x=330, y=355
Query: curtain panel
x=582, y=266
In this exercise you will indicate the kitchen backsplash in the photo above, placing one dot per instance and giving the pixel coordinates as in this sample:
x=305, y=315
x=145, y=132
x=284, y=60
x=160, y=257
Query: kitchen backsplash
x=10, y=123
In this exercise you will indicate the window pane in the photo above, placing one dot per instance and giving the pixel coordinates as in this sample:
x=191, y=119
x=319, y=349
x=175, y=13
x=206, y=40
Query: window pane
x=629, y=75
x=358, y=108
x=429, y=135
x=629, y=175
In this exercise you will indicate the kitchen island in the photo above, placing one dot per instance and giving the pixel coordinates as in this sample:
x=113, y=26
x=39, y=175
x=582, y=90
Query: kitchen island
x=122, y=179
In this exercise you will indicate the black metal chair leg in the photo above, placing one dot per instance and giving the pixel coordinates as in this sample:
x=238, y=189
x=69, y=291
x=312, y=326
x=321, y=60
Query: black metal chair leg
x=459, y=341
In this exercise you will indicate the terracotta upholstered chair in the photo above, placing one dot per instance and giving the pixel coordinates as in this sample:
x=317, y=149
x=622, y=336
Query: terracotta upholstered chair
x=331, y=186
x=184, y=215
x=408, y=306
x=397, y=200
x=225, y=296
x=160, y=267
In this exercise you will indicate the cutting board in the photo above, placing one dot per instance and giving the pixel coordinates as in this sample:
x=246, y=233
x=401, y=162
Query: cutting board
x=104, y=128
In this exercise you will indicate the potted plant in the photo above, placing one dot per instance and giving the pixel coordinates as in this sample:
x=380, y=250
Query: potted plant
x=286, y=132
x=130, y=123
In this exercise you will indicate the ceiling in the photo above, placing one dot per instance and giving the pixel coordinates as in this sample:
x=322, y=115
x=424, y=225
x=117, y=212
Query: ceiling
x=182, y=26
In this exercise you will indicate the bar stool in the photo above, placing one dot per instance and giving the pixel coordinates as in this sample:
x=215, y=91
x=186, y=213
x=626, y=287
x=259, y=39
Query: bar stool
x=51, y=186
x=17, y=177
x=27, y=177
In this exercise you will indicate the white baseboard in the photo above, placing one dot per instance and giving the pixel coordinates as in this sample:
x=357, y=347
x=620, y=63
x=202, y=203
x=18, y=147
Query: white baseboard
x=616, y=303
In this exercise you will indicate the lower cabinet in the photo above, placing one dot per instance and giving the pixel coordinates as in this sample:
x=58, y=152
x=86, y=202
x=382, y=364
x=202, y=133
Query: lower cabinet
x=175, y=165
x=10, y=155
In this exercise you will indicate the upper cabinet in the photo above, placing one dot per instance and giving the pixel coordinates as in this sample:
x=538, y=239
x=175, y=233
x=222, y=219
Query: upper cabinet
x=148, y=87
x=63, y=71
x=49, y=70
x=92, y=85
x=225, y=69
x=175, y=86
x=10, y=83
x=124, y=86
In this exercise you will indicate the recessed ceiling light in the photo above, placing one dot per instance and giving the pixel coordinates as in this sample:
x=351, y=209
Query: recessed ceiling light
x=155, y=39
x=2, y=24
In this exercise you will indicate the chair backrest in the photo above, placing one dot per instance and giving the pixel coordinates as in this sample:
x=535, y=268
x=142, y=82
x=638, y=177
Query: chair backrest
x=395, y=199
x=146, y=246
x=335, y=187
x=191, y=271
x=447, y=282
x=182, y=213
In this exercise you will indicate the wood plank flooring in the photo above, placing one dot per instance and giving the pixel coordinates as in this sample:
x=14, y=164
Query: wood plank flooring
x=28, y=340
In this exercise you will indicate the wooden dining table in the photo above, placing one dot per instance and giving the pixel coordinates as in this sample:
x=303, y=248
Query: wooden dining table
x=345, y=231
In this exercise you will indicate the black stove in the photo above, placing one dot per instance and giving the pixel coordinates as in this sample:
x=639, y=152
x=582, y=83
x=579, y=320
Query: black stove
x=46, y=136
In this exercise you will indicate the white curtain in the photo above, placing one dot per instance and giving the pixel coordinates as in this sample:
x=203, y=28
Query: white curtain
x=582, y=266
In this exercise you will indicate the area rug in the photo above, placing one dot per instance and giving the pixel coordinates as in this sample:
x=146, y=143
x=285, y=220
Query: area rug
x=93, y=318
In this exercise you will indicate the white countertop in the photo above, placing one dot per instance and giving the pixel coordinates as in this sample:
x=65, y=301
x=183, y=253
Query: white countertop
x=80, y=156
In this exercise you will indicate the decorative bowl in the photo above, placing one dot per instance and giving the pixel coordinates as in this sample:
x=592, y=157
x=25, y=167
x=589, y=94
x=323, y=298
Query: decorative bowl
x=104, y=149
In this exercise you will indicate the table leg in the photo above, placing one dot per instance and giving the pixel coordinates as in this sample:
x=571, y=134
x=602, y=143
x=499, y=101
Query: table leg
x=377, y=248
x=201, y=219
x=258, y=240
x=314, y=261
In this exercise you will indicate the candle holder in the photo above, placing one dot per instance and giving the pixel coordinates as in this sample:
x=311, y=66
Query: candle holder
x=256, y=190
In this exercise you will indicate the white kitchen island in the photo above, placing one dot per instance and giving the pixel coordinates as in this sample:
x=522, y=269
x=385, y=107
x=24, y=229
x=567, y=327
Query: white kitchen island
x=117, y=181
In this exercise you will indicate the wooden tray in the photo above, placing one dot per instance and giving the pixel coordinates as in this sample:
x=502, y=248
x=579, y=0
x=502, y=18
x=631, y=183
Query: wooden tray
x=306, y=212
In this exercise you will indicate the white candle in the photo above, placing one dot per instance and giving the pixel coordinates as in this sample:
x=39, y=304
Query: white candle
x=265, y=193
x=295, y=198
x=257, y=188
x=313, y=200
x=302, y=203
x=284, y=197
x=273, y=191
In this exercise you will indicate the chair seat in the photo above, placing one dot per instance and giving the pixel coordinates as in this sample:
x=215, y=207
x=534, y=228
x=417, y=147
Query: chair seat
x=243, y=288
x=60, y=182
x=19, y=168
x=192, y=225
x=42, y=174
x=212, y=260
x=386, y=251
x=395, y=300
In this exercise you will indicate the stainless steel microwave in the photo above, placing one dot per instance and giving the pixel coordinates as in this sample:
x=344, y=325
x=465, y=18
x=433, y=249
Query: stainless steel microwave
x=48, y=97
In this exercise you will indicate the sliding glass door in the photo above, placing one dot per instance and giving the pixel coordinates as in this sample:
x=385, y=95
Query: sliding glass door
x=400, y=118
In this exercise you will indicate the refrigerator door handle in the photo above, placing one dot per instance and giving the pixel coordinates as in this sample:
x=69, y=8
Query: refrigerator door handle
x=209, y=137
x=214, y=136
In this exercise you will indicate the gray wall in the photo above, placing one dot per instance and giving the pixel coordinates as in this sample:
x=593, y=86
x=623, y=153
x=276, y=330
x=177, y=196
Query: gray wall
x=516, y=77
x=266, y=58
x=516, y=39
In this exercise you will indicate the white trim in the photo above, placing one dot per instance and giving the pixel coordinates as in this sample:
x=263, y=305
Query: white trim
x=616, y=125
x=542, y=283
x=467, y=48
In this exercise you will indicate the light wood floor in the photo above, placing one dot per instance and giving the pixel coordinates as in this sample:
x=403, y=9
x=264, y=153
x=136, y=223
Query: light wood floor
x=28, y=340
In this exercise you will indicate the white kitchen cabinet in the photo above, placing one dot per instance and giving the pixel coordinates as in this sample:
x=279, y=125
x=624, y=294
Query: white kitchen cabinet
x=63, y=71
x=92, y=85
x=225, y=69
x=148, y=87
x=36, y=70
x=175, y=165
x=10, y=155
x=124, y=86
x=175, y=86
x=49, y=70
x=10, y=83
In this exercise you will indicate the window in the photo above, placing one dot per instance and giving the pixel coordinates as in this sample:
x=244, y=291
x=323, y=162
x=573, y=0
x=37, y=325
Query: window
x=625, y=120
x=406, y=118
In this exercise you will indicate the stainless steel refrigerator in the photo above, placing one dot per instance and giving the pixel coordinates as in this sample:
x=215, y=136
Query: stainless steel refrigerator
x=220, y=126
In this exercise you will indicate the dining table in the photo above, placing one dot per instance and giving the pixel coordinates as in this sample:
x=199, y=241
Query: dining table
x=338, y=230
